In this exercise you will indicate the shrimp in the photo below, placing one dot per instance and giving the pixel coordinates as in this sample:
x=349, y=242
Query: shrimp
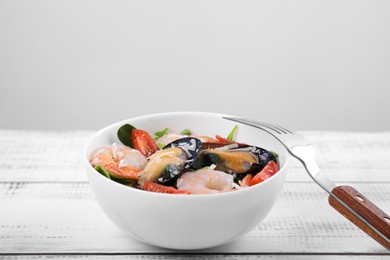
x=205, y=181
x=119, y=160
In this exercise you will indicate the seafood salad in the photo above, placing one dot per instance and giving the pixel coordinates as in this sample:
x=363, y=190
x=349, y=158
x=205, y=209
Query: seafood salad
x=182, y=163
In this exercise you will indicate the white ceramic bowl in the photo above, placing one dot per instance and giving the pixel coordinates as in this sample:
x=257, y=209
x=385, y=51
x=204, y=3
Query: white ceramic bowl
x=186, y=221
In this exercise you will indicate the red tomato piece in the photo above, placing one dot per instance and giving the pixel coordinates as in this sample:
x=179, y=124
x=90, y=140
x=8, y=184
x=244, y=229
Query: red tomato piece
x=143, y=142
x=155, y=187
x=223, y=140
x=246, y=180
x=270, y=169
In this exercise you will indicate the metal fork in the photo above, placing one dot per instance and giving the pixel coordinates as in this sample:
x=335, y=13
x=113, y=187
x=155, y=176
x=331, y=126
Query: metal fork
x=345, y=199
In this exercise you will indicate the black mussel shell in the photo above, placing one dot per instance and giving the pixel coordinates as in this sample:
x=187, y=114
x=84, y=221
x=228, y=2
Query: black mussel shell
x=164, y=165
x=192, y=146
x=264, y=156
x=169, y=174
x=208, y=158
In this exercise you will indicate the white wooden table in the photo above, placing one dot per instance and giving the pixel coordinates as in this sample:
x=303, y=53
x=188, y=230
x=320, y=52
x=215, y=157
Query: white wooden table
x=47, y=209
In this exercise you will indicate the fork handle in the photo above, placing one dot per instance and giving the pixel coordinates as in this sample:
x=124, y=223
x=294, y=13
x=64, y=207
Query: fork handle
x=366, y=209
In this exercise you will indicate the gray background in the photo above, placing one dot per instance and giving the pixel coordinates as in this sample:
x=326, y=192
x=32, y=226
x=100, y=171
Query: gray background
x=308, y=65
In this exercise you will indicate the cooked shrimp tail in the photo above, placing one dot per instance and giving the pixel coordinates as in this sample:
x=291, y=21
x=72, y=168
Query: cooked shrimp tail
x=119, y=160
x=206, y=181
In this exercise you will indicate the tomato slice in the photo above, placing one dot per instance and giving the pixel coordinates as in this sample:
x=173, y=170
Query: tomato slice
x=155, y=187
x=246, y=180
x=143, y=142
x=223, y=140
x=270, y=169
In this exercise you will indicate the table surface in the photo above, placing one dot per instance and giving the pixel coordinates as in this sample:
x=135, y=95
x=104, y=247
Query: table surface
x=47, y=209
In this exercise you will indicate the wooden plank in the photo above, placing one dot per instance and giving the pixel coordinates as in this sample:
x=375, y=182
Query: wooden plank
x=42, y=156
x=57, y=156
x=182, y=256
x=352, y=156
x=65, y=218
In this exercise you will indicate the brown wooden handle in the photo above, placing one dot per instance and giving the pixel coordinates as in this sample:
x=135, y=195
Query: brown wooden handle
x=366, y=209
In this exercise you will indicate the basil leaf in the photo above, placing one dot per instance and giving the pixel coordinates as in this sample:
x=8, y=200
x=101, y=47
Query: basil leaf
x=186, y=132
x=124, y=181
x=232, y=133
x=124, y=134
x=102, y=170
x=161, y=133
x=274, y=154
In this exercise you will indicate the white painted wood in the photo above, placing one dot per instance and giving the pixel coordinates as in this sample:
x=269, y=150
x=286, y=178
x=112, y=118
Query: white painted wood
x=198, y=256
x=47, y=207
x=65, y=218
x=57, y=156
x=42, y=156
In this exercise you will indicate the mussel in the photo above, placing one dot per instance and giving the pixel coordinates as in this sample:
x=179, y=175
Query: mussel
x=235, y=159
x=168, y=164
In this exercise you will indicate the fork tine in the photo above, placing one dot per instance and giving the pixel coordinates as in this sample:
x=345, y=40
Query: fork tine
x=268, y=128
x=276, y=128
x=281, y=129
x=261, y=125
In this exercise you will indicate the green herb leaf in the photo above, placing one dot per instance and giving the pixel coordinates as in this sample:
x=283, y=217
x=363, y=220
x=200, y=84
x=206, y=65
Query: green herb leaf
x=124, y=181
x=275, y=154
x=102, y=170
x=124, y=134
x=160, y=145
x=161, y=133
x=186, y=132
x=232, y=133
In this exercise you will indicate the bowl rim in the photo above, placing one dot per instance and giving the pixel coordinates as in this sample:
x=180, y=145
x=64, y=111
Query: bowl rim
x=281, y=170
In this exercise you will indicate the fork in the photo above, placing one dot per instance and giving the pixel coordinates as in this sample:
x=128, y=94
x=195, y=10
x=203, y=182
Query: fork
x=345, y=199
